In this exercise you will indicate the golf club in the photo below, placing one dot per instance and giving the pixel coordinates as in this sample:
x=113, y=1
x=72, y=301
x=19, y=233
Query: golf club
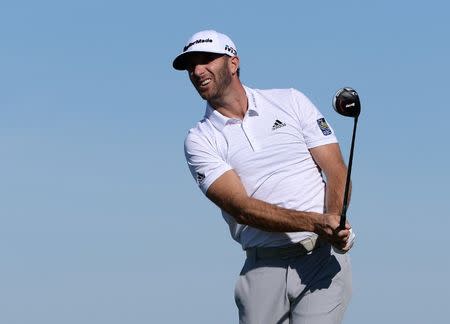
x=346, y=103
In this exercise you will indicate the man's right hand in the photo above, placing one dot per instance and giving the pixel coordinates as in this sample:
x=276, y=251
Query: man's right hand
x=327, y=227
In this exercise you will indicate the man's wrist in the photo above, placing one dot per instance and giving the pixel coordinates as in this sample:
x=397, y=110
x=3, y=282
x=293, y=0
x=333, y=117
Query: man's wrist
x=318, y=223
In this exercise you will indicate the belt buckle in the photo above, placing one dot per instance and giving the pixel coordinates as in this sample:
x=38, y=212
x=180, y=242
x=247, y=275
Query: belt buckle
x=308, y=244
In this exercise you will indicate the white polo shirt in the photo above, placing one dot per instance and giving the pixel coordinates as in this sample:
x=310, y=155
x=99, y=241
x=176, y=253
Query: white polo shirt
x=269, y=150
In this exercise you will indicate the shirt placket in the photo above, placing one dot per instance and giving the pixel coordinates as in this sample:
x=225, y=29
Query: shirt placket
x=250, y=134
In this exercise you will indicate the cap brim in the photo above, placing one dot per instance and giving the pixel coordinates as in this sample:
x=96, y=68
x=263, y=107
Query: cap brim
x=179, y=63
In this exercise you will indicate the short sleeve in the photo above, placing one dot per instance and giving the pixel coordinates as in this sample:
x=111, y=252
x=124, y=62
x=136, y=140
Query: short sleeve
x=204, y=160
x=316, y=130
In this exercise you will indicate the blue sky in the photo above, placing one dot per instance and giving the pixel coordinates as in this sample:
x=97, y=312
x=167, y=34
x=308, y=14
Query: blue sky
x=100, y=220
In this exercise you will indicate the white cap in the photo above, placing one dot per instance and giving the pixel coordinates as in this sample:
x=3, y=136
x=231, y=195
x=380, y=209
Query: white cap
x=208, y=41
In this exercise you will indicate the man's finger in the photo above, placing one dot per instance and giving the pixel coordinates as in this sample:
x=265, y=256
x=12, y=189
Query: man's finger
x=343, y=234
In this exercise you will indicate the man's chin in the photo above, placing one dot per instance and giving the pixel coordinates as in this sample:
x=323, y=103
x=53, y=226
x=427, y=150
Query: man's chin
x=203, y=94
x=208, y=95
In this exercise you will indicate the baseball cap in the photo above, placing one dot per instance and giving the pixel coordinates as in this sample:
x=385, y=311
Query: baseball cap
x=208, y=41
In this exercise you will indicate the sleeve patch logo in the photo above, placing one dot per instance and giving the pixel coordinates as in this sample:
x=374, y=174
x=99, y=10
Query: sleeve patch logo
x=326, y=130
x=200, y=177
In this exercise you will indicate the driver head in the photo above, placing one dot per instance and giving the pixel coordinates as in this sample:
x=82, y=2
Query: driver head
x=346, y=102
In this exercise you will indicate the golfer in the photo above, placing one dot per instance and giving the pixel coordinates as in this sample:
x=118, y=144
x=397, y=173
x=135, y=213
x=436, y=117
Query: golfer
x=271, y=162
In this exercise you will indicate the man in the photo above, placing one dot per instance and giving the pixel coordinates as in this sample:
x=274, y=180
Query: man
x=261, y=156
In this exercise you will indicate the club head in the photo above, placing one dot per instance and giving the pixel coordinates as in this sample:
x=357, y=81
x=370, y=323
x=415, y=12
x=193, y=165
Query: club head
x=346, y=102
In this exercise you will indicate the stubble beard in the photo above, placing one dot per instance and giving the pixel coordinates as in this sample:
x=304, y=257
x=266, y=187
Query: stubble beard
x=222, y=80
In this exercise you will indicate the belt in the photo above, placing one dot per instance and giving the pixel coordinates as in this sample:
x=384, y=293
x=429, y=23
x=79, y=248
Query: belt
x=286, y=251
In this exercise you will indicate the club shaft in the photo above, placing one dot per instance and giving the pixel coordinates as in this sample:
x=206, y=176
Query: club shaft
x=347, y=182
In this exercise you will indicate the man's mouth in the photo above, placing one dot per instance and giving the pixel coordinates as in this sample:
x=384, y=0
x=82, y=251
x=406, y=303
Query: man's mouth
x=204, y=83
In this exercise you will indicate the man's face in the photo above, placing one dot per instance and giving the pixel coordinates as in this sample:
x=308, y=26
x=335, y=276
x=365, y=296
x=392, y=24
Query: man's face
x=209, y=73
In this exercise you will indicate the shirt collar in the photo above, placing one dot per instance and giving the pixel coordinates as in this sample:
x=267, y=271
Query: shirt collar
x=220, y=121
x=253, y=109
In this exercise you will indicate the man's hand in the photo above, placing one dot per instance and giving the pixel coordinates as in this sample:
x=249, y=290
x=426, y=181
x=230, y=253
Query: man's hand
x=328, y=229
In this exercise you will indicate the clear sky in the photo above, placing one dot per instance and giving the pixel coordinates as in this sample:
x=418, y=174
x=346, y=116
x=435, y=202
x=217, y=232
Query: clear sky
x=100, y=220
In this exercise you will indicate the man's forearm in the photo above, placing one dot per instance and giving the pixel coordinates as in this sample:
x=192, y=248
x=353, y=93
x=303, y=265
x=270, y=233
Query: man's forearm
x=228, y=193
x=329, y=159
x=335, y=194
x=271, y=218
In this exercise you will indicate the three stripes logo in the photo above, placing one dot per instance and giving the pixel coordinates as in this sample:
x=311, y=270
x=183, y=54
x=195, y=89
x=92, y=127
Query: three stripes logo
x=200, y=177
x=278, y=124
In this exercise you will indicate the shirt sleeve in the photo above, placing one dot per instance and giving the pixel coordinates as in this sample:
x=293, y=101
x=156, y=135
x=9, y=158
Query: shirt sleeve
x=204, y=160
x=316, y=130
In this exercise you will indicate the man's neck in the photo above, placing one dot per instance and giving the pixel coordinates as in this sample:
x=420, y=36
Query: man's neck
x=233, y=104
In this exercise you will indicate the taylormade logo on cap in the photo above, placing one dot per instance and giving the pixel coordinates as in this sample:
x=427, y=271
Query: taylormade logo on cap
x=197, y=42
x=208, y=41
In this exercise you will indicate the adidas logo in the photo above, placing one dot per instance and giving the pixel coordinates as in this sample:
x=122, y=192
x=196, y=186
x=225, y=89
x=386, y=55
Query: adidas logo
x=200, y=177
x=278, y=124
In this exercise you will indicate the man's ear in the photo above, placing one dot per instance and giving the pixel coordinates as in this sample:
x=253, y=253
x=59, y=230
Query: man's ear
x=234, y=62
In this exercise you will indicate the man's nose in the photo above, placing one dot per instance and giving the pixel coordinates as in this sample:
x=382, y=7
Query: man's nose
x=198, y=69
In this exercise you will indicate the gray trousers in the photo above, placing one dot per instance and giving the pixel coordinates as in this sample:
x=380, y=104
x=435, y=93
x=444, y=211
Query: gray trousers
x=310, y=289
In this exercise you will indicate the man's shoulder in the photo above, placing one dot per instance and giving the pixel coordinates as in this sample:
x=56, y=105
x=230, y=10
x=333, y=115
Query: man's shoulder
x=200, y=127
x=203, y=137
x=202, y=131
